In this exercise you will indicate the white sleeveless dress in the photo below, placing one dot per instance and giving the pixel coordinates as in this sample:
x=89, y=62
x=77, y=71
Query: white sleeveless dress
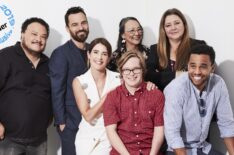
x=92, y=139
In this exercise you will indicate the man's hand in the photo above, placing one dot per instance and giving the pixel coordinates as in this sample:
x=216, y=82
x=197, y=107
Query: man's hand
x=61, y=127
x=2, y=131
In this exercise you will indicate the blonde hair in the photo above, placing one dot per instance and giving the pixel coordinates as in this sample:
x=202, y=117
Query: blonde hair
x=131, y=54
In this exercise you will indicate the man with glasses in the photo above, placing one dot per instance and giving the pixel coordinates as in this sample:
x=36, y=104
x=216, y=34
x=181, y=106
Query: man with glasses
x=133, y=115
x=191, y=101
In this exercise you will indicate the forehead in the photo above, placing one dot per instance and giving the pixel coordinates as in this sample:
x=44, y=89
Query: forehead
x=200, y=59
x=36, y=27
x=77, y=17
x=132, y=63
x=132, y=24
x=100, y=47
x=171, y=18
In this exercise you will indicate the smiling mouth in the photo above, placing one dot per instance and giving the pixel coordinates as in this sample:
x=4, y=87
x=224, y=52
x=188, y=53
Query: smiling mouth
x=197, y=78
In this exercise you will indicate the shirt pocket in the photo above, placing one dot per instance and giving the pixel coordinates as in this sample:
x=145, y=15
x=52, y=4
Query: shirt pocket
x=148, y=119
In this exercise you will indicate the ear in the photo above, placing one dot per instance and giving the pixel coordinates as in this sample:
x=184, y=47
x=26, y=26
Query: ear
x=123, y=36
x=213, y=68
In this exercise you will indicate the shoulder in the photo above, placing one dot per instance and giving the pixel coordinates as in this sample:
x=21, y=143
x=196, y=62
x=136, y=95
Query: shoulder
x=180, y=83
x=194, y=42
x=62, y=48
x=7, y=50
x=216, y=82
x=153, y=47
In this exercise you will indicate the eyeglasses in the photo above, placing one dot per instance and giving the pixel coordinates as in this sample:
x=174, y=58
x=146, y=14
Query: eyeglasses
x=202, y=107
x=133, y=31
x=128, y=71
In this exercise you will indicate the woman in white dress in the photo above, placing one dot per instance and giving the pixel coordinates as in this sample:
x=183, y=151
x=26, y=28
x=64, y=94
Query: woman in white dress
x=90, y=90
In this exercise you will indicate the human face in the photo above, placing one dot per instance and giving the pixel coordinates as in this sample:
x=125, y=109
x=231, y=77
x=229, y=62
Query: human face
x=78, y=27
x=133, y=80
x=199, y=70
x=98, y=57
x=33, y=40
x=174, y=27
x=133, y=34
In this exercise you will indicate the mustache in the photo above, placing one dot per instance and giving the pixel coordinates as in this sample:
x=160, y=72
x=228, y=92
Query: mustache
x=82, y=31
x=37, y=42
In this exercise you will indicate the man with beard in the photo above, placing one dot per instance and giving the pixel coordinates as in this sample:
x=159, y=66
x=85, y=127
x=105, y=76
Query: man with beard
x=67, y=62
x=25, y=94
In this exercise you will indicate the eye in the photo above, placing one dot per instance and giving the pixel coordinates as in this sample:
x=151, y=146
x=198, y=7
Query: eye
x=167, y=25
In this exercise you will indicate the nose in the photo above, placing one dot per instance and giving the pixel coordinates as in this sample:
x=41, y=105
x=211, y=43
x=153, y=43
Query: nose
x=173, y=26
x=131, y=72
x=81, y=27
x=99, y=56
x=197, y=70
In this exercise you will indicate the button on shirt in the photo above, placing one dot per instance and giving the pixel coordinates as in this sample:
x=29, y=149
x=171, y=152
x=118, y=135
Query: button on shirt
x=135, y=115
x=25, y=100
x=184, y=126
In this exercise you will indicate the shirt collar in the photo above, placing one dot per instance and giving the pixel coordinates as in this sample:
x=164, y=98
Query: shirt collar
x=141, y=89
x=20, y=51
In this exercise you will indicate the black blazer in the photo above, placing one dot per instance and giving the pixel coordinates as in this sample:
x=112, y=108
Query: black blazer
x=161, y=77
x=66, y=62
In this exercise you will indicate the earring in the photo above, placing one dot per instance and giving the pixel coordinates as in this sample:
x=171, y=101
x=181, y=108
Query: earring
x=123, y=41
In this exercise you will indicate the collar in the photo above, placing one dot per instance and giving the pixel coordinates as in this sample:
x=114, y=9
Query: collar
x=20, y=51
x=73, y=45
x=141, y=89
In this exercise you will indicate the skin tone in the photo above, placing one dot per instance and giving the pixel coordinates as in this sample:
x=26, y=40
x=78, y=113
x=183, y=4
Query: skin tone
x=2, y=131
x=78, y=28
x=199, y=70
x=99, y=59
x=133, y=34
x=33, y=41
x=174, y=29
x=132, y=82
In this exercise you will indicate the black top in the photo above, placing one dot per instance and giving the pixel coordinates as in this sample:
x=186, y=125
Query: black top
x=162, y=77
x=25, y=100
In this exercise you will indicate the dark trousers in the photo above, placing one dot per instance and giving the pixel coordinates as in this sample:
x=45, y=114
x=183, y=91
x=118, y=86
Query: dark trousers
x=67, y=137
x=199, y=152
x=8, y=147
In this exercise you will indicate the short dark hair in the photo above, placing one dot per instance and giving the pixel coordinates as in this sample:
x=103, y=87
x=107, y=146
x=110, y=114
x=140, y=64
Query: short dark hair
x=203, y=49
x=102, y=41
x=73, y=10
x=35, y=20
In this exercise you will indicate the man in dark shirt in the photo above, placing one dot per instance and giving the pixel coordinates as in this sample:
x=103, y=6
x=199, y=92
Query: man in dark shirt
x=133, y=116
x=25, y=101
x=66, y=62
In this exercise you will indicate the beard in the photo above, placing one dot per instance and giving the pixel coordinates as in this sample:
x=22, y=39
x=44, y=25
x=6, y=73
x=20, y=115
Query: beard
x=80, y=38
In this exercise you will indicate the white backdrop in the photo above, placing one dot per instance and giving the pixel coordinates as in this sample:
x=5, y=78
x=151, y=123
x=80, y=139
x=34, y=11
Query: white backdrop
x=210, y=20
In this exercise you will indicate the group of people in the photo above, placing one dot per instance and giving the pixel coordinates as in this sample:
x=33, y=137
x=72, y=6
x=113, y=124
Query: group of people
x=102, y=102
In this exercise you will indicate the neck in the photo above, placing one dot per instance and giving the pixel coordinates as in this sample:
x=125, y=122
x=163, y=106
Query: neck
x=174, y=43
x=132, y=89
x=130, y=47
x=31, y=55
x=98, y=75
x=80, y=45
